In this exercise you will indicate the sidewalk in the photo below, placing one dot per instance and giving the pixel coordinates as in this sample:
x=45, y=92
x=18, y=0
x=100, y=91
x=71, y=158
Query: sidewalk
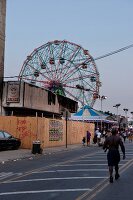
x=13, y=155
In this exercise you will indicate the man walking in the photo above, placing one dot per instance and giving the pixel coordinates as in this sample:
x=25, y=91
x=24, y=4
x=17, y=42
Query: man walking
x=112, y=143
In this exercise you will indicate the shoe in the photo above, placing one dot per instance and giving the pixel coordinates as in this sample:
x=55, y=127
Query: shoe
x=111, y=179
x=117, y=176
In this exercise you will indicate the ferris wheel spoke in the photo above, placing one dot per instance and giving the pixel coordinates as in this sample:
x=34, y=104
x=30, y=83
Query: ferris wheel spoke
x=51, y=57
x=42, y=61
x=73, y=55
x=39, y=81
x=71, y=58
x=79, y=66
x=50, y=71
x=61, y=56
x=71, y=95
x=78, y=78
x=72, y=71
x=39, y=72
x=25, y=72
x=59, y=59
x=70, y=74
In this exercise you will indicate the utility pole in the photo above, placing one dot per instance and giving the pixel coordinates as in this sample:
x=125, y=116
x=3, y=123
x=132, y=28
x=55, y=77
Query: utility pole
x=2, y=46
x=117, y=106
x=126, y=110
x=102, y=98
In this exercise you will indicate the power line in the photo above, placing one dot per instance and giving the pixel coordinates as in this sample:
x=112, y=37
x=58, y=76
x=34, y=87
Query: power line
x=114, y=52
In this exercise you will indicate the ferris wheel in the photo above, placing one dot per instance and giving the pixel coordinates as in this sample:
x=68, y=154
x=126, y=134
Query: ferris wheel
x=64, y=68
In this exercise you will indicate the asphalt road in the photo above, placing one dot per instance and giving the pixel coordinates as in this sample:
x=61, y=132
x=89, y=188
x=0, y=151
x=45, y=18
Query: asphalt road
x=77, y=174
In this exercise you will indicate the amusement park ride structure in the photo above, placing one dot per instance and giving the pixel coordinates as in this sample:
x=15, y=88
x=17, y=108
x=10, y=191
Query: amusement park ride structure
x=64, y=68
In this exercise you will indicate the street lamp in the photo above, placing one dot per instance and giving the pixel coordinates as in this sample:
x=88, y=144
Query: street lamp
x=81, y=87
x=102, y=98
x=126, y=110
x=117, y=106
x=132, y=114
x=131, y=123
x=65, y=114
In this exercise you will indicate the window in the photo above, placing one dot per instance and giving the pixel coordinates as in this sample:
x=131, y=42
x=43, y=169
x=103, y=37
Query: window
x=1, y=134
x=7, y=135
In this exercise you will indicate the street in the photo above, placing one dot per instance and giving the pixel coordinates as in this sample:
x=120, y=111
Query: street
x=77, y=174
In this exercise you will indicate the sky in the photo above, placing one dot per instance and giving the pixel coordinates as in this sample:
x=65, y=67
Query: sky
x=101, y=26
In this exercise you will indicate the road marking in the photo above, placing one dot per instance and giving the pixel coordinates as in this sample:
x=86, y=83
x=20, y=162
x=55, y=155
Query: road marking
x=105, y=160
x=45, y=191
x=90, y=160
x=97, y=164
x=51, y=179
x=49, y=166
x=4, y=175
x=69, y=170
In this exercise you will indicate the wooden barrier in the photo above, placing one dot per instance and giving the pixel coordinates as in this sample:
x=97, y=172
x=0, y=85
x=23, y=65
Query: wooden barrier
x=50, y=132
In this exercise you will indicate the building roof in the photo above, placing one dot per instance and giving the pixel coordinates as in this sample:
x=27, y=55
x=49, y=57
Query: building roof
x=87, y=113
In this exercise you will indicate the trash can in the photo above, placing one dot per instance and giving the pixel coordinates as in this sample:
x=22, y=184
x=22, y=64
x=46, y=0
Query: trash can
x=36, y=147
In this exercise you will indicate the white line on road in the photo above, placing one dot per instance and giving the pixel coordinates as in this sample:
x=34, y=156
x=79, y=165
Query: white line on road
x=89, y=160
x=97, y=164
x=5, y=175
x=69, y=170
x=51, y=179
x=45, y=191
x=92, y=160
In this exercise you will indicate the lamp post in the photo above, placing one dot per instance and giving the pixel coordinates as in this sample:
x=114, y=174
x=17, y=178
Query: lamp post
x=65, y=115
x=117, y=106
x=126, y=110
x=66, y=125
x=132, y=115
x=102, y=98
x=131, y=119
x=83, y=89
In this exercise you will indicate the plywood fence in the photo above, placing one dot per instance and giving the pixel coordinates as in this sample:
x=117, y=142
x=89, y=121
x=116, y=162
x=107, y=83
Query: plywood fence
x=50, y=132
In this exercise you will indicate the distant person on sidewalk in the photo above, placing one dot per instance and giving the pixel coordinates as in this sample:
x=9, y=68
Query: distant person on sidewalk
x=95, y=136
x=112, y=143
x=83, y=141
x=130, y=135
x=99, y=135
x=88, y=137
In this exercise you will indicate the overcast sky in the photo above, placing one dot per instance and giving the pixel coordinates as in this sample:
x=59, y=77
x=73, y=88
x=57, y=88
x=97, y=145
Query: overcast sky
x=101, y=26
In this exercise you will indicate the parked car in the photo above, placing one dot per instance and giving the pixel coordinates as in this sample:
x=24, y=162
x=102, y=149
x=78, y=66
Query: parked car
x=7, y=141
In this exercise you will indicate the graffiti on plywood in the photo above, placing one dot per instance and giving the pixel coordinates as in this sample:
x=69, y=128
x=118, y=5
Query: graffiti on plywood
x=24, y=131
x=55, y=130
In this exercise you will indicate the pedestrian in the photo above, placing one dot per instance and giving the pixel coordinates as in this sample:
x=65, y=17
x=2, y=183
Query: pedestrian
x=95, y=136
x=88, y=137
x=130, y=135
x=83, y=141
x=112, y=143
x=98, y=137
x=124, y=134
